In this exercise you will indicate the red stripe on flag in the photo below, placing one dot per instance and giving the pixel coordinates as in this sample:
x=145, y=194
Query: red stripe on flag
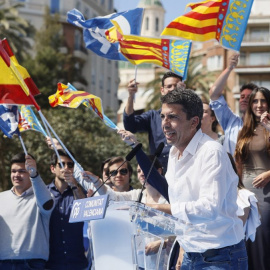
x=140, y=43
x=201, y=17
x=32, y=86
x=191, y=29
x=7, y=47
x=13, y=94
x=142, y=57
x=67, y=101
x=4, y=54
x=208, y=4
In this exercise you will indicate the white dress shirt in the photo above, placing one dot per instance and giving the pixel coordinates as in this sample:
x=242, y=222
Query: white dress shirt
x=203, y=192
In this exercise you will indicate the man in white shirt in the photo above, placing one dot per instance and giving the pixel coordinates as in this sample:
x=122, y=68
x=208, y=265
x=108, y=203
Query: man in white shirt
x=202, y=187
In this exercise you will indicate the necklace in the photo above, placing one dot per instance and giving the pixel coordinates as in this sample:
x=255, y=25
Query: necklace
x=259, y=127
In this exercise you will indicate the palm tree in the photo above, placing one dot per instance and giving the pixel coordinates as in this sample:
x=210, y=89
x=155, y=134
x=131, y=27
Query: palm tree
x=15, y=29
x=198, y=79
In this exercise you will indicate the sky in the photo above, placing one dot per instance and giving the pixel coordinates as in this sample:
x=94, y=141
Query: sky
x=174, y=8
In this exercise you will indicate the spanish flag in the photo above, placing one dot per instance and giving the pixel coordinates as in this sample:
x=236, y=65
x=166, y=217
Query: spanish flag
x=223, y=20
x=16, y=85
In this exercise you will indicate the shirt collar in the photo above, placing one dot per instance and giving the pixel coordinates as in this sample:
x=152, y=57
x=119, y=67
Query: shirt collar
x=27, y=192
x=191, y=147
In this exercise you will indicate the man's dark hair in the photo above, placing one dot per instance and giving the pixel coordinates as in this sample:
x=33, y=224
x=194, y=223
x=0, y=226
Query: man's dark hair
x=190, y=101
x=19, y=158
x=118, y=160
x=250, y=86
x=169, y=74
x=62, y=153
x=103, y=164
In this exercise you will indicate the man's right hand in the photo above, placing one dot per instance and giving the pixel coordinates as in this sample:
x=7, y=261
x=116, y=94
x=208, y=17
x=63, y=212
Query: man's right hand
x=132, y=88
x=233, y=61
x=56, y=143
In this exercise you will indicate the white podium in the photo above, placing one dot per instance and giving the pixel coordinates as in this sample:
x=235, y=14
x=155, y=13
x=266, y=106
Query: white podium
x=120, y=239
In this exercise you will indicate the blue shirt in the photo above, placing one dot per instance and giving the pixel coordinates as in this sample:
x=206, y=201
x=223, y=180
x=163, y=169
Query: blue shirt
x=149, y=122
x=230, y=123
x=66, y=239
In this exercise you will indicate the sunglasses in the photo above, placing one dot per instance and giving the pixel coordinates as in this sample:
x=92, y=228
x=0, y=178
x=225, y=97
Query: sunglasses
x=122, y=172
x=69, y=164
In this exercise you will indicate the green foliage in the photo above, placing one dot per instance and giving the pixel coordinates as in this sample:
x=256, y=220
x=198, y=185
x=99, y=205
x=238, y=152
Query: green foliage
x=15, y=29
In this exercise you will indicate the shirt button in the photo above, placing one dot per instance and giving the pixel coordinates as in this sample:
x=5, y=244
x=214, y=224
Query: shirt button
x=65, y=252
x=61, y=218
x=166, y=144
x=64, y=242
x=61, y=207
x=164, y=155
x=63, y=230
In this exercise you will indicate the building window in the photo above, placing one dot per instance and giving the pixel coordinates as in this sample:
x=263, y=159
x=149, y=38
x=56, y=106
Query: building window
x=110, y=4
x=147, y=23
x=78, y=40
x=215, y=63
x=109, y=85
x=259, y=59
x=259, y=33
x=157, y=24
x=55, y=6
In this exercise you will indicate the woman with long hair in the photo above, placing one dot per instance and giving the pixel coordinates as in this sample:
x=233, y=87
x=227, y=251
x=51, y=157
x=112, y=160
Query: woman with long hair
x=252, y=155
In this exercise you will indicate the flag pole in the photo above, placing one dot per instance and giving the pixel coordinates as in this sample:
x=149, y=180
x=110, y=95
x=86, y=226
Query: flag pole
x=135, y=80
x=47, y=124
x=23, y=145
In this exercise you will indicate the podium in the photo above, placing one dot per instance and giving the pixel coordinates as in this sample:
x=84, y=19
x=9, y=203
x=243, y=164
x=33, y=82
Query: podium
x=133, y=236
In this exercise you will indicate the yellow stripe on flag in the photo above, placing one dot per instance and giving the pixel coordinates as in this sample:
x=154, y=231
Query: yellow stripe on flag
x=196, y=23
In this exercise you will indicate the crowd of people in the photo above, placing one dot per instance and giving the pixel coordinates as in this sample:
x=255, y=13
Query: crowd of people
x=218, y=182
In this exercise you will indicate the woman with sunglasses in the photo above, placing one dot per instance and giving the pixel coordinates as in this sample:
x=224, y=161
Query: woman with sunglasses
x=120, y=177
x=252, y=157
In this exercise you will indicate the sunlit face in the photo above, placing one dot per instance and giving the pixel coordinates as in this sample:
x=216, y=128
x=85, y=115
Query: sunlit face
x=121, y=179
x=170, y=84
x=244, y=98
x=259, y=105
x=207, y=119
x=176, y=128
x=57, y=170
x=140, y=175
x=20, y=178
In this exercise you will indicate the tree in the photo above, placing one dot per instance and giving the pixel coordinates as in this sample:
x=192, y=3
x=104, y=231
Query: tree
x=49, y=65
x=15, y=29
x=198, y=79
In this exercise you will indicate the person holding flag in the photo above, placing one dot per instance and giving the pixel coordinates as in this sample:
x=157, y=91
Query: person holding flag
x=24, y=217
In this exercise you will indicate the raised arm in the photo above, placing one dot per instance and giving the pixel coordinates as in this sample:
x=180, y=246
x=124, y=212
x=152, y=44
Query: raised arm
x=218, y=86
x=132, y=90
x=43, y=196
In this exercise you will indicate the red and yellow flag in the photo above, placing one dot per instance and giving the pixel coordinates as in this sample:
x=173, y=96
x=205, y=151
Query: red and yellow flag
x=67, y=97
x=16, y=85
x=223, y=20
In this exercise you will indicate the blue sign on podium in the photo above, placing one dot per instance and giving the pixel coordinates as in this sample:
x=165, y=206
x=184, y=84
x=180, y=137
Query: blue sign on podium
x=88, y=209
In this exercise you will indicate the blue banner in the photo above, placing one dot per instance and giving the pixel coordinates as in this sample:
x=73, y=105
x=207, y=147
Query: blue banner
x=89, y=209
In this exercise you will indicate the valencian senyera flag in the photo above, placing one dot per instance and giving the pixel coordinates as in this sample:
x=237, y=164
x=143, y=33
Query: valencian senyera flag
x=94, y=30
x=167, y=53
x=28, y=120
x=16, y=85
x=66, y=97
x=223, y=20
x=108, y=122
x=9, y=120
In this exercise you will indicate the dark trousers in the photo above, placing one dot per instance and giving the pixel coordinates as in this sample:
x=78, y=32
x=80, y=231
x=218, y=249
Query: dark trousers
x=29, y=264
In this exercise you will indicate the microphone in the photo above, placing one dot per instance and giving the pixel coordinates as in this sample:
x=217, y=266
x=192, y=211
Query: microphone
x=157, y=154
x=129, y=157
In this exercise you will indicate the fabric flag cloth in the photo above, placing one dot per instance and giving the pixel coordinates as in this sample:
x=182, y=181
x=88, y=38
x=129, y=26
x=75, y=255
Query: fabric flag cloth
x=94, y=30
x=223, y=20
x=9, y=120
x=16, y=85
x=167, y=53
x=67, y=98
x=29, y=121
x=108, y=122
